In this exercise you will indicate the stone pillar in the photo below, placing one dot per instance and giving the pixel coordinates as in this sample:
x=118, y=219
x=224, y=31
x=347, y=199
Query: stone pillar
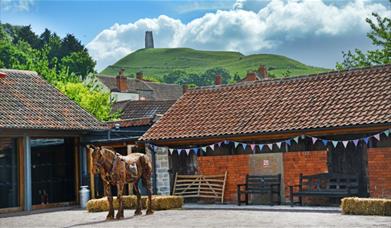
x=162, y=166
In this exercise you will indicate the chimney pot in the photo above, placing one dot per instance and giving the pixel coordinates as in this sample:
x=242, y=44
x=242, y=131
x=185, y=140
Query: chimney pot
x=262, y=70
x=139, y=75
x=218, y=79
x=185, y=87
x=122, y=83
x=251, y=76
x=3, y=75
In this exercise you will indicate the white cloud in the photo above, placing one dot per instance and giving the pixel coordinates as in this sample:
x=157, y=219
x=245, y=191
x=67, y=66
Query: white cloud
x=17, y=5
x=278, y=23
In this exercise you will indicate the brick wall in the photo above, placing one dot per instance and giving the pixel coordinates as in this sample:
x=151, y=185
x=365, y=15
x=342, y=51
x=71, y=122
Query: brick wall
x=379, y=172
x=237, y=167
x=302, y=162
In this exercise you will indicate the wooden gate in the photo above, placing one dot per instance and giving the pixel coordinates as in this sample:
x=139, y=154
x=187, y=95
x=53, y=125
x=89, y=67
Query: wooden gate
x=203, y=186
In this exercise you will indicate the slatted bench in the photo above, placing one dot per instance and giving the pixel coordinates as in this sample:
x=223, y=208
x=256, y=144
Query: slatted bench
x=260, y=185
x=325, y=185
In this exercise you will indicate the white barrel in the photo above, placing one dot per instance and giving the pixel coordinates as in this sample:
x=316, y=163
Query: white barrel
x=84, y=196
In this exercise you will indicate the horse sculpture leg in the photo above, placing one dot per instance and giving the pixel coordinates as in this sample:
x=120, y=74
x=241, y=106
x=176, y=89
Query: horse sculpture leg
x=137, y=192
x=148, y=185
x=120, y=213
x=107, y=189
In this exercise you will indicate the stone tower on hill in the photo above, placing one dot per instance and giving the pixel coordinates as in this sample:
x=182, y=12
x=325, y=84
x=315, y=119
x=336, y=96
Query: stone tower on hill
x=148, y=39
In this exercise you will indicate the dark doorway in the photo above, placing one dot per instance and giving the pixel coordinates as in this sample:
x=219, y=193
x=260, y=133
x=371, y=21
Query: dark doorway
x=350, y=160
x=52, y=170
x=182, y=164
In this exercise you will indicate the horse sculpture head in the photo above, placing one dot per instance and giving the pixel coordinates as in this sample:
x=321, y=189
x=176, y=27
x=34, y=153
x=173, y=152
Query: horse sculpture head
x=97, y=158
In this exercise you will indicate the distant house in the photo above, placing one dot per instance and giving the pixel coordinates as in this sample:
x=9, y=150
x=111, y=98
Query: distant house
x=124, y=88
x=336, y=122
x=41, y=159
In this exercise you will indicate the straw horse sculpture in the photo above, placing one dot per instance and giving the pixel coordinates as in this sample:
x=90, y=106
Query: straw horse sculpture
x=118, y=170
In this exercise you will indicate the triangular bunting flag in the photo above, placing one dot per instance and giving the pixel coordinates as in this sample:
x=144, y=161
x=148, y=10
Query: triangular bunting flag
x=260, y=146
x=366, y=139
x=355, y=142
x=236, y=144
x=302, y=137
x=244, y=146
x=212, y=146
x=270, y=145
x=171, y=150
x=387, y=133
x=288, y=142
x=226, y=142
x=296, y=139
x=219, y=143
x=195, y=150
x=187, y=151
x=335, y=143
x=203, y=148
x=377, y=136
x=278, y=145
x=345, y=143
x=252, y=146
x=325, y=142
x=314, y=140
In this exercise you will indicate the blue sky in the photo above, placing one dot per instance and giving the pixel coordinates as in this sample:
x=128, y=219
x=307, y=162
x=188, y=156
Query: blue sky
x=312, y=31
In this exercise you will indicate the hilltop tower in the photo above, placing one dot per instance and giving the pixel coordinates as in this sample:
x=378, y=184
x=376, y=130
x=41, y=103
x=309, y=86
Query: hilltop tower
x=148, y=39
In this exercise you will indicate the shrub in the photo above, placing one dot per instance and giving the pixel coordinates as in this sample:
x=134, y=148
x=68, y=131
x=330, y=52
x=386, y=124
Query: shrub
x=366, y=206
x=130, y=202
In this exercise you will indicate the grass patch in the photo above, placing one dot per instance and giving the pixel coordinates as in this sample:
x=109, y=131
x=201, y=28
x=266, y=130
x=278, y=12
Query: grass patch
x=158, y=203
x=366, y=206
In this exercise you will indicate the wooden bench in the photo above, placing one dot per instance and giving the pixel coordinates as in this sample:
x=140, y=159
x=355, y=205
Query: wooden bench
x=325, y=185
x=260, y=185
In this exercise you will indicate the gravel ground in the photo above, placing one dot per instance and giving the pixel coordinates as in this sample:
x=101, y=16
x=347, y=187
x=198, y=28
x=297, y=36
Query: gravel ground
x=194, y=218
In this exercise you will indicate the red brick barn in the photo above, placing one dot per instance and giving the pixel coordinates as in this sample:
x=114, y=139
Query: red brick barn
x=342, y=109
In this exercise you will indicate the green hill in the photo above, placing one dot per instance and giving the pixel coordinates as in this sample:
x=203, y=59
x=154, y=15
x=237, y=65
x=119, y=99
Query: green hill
x=156, y=62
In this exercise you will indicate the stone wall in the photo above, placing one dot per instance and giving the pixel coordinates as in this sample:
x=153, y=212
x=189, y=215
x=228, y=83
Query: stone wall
x=379, y=172
x=162, y=167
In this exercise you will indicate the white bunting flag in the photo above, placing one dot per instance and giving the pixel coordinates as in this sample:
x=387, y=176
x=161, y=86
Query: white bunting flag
x=377, y=136
x=226, y=142
x=203, y=148
x=187, y=151
x=296, y=139
x=345, y=143
x=387, y=133
x=171, y=150
x=212, y=146
x=314, y=140
x=270, y=145
x=278, y=145
x=335, y=143
x=236, y=144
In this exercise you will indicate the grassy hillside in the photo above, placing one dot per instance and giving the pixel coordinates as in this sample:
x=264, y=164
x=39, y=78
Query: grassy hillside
x=159, y=61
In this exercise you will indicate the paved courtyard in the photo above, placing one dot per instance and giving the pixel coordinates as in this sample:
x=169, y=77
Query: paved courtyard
x=194, y=218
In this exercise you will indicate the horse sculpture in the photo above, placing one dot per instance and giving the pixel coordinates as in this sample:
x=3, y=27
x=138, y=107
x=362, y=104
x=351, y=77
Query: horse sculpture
x=118, y=170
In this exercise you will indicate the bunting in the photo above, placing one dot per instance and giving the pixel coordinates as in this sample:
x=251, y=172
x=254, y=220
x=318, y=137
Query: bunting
x=288, y=142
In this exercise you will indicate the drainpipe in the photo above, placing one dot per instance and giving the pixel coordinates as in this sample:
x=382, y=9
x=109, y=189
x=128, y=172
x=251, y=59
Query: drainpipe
x=154, y=174
x=27, y=174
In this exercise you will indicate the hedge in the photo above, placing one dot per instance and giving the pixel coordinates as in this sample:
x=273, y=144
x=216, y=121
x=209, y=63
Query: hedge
x=366, y=206
x=158, y=203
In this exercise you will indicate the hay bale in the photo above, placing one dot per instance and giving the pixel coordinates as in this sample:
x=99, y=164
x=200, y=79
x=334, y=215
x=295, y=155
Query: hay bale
x=130, y=202
x=366, y=206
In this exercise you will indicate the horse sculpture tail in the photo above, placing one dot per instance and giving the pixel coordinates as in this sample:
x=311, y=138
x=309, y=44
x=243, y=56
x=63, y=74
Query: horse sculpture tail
x=146, y=179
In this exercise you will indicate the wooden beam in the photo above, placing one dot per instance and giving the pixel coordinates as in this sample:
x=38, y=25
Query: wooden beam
x=272, y=136
x=92, y=181
x=20, y=151
x=76, y=146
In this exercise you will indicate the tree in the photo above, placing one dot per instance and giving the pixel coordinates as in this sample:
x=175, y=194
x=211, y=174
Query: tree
x=70, y=44
x=380, y=35
x=26, y=34
x=79, y=63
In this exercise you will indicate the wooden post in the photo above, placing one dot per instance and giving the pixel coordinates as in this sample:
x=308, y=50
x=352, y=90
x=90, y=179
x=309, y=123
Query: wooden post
x=20, y=148
x=92, y=181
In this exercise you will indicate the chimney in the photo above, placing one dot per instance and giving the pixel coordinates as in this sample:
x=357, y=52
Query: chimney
x=139, y=75
x=262, y=70
x=3, y=75
x=122, y=83
x=251, y=76
x=185, y=87
x=218, y=79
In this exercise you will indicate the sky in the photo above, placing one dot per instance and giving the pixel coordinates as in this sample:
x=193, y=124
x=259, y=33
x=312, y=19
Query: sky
x=314, y=32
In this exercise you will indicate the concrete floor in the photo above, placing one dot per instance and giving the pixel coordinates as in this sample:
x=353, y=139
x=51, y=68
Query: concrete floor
x=194, y=218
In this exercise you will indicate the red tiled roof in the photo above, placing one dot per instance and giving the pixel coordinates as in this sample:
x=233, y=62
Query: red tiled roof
x=327, y=100
x=29, y=102
x=140, y=109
